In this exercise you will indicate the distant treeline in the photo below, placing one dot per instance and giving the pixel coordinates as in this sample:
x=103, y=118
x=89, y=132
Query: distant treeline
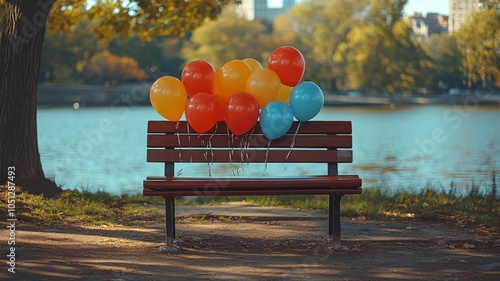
x=361, y=45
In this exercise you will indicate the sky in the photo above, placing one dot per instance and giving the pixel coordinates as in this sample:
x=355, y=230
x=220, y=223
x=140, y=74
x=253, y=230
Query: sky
x=427, y=6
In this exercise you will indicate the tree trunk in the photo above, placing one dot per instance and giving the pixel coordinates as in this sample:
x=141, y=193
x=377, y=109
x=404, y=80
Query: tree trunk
x=20, y=52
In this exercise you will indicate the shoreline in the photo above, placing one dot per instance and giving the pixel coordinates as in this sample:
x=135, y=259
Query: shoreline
x=138, y=94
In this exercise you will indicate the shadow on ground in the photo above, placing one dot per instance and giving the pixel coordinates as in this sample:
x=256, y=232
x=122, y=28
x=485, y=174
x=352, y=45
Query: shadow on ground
x=222, y=243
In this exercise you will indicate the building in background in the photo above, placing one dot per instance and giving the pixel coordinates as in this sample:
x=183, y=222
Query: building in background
x=264, y=9
x=460, y=10
x=432, y=23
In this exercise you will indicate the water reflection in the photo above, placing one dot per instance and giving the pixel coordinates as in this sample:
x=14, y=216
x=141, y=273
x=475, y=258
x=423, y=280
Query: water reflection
x=98, y=148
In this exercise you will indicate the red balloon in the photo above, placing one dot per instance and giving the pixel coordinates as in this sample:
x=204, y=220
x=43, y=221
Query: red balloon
x=288, y=63
x=222, y=104
x=197, y=77
x=202, y=111
x=241, y=113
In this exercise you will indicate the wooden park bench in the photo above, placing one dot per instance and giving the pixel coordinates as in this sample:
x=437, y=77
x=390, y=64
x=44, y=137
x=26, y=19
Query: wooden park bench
x=327, y=142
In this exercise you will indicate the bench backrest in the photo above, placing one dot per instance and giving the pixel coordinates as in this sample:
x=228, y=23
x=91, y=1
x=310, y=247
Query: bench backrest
x=316, y=142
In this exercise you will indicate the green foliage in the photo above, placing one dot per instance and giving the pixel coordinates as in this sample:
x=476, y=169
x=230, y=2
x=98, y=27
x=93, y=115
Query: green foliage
x=146, y=19
x=445, y=55
x=64, y=56
x=146, y=53
x=380, y=55
x=94, y=208
x=320, y=27
x=227, y=38
x=357, y=45
x=490, y=4
x=347, y=44
x=479, y=45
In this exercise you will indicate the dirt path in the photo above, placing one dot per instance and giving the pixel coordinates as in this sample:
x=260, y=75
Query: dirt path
x=242, y=242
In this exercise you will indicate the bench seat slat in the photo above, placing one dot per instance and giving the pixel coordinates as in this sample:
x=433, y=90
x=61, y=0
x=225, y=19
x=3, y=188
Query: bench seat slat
x=228, y=192
x=332, y=127
x=301, y=141
x=307, y=182
x=250, y=155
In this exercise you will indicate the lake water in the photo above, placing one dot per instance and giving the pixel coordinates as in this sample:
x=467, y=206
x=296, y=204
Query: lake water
x=410, y=147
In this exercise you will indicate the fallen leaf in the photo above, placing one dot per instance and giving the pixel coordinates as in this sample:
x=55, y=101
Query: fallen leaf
x=468, y=246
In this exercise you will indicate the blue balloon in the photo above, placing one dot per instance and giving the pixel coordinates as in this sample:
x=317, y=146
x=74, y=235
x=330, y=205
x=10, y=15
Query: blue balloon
x=276, y=118
x=306, y=101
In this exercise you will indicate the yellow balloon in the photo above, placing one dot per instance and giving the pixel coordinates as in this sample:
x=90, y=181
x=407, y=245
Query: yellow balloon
x=168, y=97
x=263, y=85
x=253, y=63
x=284, y=93
x=230, y=79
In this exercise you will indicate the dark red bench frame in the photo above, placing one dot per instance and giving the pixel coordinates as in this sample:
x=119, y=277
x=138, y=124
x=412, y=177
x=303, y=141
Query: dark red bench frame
x=327, y=142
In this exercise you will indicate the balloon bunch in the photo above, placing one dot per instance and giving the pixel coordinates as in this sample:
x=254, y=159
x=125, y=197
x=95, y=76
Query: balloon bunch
x=241, y=93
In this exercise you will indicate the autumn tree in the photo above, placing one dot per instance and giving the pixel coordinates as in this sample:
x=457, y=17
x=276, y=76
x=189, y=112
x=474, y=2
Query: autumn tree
x=479, y=44
x=24, y=26
x=380, y=54
x=227, y=38
x=109, y=69
x=446, y=59
x=146, y=53
x=320, y=27
x=64, y=56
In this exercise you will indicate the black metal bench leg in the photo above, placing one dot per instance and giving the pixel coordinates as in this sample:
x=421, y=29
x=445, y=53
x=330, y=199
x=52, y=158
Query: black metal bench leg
x=170, y=224
x=334, y=220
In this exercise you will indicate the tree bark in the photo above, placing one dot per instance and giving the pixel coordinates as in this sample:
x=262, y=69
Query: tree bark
x=20, y=53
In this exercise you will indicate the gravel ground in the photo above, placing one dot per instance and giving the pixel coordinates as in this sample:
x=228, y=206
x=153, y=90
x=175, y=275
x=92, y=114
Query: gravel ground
x=236, y=241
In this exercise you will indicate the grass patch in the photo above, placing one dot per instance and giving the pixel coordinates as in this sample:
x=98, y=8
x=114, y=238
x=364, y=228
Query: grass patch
x=473, y=209
x=378, y=203
x=85, y=207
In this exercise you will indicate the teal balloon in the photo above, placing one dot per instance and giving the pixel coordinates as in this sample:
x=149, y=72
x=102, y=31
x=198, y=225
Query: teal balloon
x=275, y=119
x=306, y=101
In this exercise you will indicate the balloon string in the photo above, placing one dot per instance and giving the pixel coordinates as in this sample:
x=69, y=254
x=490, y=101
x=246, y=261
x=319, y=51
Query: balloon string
x=242, y=150
x=179, y=143
x=267, y=155
x=178, y=140
x=210, y=142
x=205, y=154
x=230, y=152
x=292, y=144
x=249, y=138
x=190, y=146
x=243, y=145
x=209, y=146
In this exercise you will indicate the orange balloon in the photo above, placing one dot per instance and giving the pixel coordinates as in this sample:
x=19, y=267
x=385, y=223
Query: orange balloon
x=202, y=112
x=230, y=79
x=168, y=97
x=264, y=85
x=253, y=63
x=284, y=93
x=217, y=89
x=221, y=103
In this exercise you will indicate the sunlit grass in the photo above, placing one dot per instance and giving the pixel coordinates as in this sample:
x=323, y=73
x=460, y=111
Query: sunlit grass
x=473, y=209
x=86, y=207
